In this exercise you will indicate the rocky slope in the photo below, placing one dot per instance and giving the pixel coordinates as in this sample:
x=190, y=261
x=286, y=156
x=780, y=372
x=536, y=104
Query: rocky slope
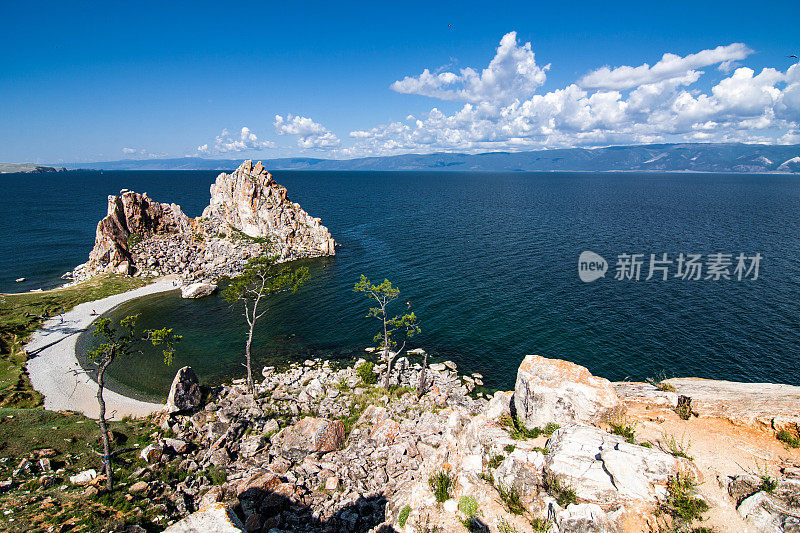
x=318, y=449
x=249, y=214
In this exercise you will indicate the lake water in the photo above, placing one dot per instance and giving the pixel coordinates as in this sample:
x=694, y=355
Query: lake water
x=489, y=261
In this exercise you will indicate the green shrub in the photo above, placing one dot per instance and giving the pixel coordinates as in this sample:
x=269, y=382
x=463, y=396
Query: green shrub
x=788, y=438
x=365, y=372
x=550, y=428
x=623, y=429
x=681, y=502
x=441, y=484
x=509, y=448
x=469, y=506
x=403, y=516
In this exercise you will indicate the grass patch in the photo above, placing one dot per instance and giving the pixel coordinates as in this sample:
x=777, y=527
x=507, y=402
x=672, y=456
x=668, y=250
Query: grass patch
x=677, y=448
x=556, y=488
x=681, y=502
x=504, y=527
x=540, y=525
x=509, y=448
x=21, y=314
x=511, y=499
x=660, y=382
x=441, y=484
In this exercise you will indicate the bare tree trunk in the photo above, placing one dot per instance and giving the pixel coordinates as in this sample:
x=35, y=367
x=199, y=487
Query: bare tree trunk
x=386, y=350
x=421, y=385
x=102, y=422
x=247, y=356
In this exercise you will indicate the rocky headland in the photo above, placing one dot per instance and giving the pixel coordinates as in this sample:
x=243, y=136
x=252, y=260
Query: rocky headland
x=249, y=214
x=321, y=448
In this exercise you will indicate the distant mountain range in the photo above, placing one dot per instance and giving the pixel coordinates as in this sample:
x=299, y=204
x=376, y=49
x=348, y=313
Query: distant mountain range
x=688, y=157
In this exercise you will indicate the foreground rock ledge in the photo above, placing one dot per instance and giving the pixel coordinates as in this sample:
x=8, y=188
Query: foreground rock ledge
x=292, y=465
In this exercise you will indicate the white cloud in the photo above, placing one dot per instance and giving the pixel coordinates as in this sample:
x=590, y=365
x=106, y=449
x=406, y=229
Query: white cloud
x=670, y=66
x=310, y=134
x=512, y=73
x=129, y=150
x=625, y=105
x=226, y=143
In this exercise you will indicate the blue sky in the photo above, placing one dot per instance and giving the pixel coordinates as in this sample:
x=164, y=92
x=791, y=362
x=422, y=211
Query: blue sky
x=103, y=81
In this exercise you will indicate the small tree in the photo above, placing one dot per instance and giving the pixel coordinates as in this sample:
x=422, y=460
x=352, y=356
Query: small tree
x=119, y=342
x=401, y=327
x=262, y=277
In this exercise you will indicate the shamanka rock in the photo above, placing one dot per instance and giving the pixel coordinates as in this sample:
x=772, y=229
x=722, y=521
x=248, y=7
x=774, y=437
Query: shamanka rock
x=248, y=215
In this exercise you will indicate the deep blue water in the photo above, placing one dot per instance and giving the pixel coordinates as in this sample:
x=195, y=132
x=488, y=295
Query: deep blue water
x=489, y=261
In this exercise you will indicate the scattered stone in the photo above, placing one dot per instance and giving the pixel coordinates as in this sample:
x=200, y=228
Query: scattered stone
x=139, y=486
x=310, y=435
x=152, y=453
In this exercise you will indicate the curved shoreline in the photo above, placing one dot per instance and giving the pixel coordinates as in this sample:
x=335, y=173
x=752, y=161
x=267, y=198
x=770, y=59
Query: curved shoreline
x=54, y=369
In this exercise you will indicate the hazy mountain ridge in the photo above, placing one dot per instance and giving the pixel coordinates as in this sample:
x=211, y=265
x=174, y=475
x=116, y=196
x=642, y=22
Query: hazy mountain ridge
x=685, y=157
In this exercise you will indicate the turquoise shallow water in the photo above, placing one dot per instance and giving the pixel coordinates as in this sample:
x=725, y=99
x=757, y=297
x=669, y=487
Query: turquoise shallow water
x=490, y=263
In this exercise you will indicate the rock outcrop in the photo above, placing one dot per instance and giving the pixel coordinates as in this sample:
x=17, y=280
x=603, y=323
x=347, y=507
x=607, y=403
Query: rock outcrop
x=250, y=201
x=249, y=214
x=552, y=390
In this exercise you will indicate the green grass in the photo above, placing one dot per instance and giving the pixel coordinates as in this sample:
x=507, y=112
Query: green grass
x=21, y=314
x=623, y=429
x=786, y=437
x=511, y=499
x=681, y=502
x=504, y=527
x=402, y=518
x=509, y=448
x=677, y=448
x=556, y=488
x=72, y=436
x=540, y=525
x=441, y=484
x=518, y=431
x=469, y=506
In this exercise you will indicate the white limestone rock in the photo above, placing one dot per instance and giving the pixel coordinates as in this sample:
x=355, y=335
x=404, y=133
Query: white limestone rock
x=197, y=290
x=215, y=518
x=552, y=390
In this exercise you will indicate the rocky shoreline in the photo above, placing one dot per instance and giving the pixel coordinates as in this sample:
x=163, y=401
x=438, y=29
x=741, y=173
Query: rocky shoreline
x=320, y=448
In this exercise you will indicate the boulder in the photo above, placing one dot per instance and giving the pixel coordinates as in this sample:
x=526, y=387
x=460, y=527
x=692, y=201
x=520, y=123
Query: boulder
x=185, y=393
x=310, y=435
x=215, y=518
x=606, y=470
x=84, y=477
x=499, y=405
x=151, y=453
x=552, y=390
x=582, y=518
x=197, y=290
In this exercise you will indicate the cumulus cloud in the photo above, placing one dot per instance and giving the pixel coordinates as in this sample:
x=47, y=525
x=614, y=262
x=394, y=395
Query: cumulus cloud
x=669, y=67
x=310, y=134
x=511, y=74
x=225, y=142
x=623, y=105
